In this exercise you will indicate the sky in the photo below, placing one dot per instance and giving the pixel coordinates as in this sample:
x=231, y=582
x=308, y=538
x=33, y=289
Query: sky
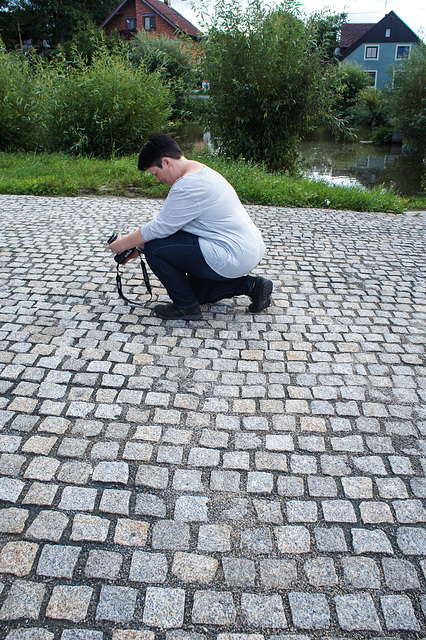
x=412, y=12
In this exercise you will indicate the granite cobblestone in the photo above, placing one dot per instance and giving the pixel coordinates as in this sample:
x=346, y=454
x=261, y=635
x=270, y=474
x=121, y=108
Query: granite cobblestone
x=236, y=478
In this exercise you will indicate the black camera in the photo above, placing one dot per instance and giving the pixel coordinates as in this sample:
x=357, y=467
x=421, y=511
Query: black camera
x=120, y=258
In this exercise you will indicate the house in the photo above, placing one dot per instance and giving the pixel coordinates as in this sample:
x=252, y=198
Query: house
x=154, y=16
x=376, y=47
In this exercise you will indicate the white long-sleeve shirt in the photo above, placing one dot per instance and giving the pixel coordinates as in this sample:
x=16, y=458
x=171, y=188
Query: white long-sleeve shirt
x=206, y=205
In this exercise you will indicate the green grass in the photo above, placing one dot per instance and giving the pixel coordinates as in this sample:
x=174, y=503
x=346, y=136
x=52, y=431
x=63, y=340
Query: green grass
x=62, y=175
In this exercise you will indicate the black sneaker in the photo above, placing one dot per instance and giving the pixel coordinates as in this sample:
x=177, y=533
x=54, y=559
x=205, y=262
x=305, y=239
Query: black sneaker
x=260, y=295
x=171, y=312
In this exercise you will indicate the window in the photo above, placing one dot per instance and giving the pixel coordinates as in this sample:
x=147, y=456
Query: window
x=373, y=76
x=371, y=53
x=402, y=51
x=130, y=24
x=387, y=33
x=149, y=22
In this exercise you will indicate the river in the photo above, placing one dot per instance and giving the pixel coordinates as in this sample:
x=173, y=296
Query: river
x=357, y=163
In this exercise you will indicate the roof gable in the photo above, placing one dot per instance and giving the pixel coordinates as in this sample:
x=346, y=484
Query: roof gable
x=399, y=32
x=166, y=12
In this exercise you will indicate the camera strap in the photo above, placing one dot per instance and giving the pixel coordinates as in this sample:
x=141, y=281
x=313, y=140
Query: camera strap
x=134, y=303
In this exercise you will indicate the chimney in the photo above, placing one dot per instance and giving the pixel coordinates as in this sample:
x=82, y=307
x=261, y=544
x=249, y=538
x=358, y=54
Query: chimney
x=168, y=2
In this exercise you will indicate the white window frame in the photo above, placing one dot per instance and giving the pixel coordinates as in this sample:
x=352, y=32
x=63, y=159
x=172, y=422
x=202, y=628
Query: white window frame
x=387, y=33
x=370, y=73
x=406, y=46
x=371, y=46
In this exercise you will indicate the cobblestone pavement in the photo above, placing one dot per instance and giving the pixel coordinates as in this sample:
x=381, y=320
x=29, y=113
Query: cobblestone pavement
x=240, y=477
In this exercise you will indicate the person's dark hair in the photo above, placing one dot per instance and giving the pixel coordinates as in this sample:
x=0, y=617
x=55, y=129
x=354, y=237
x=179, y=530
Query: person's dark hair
x=158, y=146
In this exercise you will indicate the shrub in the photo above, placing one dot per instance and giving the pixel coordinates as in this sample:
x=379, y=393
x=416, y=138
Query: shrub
x=103, y=109
x=266, y=81
x=348, y=80
x=19, y=102
x=370, y=109
x=407, y=97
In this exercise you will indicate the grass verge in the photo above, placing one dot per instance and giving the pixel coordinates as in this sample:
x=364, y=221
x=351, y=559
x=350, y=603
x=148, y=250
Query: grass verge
x=62, y=175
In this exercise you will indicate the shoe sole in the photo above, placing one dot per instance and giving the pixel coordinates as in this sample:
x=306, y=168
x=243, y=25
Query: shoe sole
x=187, y=316
x=265, y=300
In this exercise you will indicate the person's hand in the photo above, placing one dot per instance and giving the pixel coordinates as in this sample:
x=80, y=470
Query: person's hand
x=115, y=246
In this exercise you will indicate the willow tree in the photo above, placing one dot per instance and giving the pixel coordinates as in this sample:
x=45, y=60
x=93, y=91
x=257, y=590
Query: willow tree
x=267, y=83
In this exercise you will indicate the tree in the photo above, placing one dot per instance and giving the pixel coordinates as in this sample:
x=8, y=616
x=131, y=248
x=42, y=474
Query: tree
x=50, y=22
x=266, y=81
x=325, y=29
x=406, y=99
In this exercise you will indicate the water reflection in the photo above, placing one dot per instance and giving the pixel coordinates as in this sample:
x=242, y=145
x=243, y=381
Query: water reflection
x=362, y=164
x=357, y=163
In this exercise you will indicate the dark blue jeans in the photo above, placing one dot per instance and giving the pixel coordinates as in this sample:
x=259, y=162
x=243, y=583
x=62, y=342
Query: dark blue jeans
x=179, y=264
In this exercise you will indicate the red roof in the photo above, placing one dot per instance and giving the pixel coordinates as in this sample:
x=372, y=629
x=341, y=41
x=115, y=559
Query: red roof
x=350, y=33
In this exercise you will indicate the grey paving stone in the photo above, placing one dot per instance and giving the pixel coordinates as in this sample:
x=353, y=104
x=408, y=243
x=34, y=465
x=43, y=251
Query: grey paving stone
x=263, y=610
x=69, y=603
x=338, y=511
x=239, y=572
x=24, y=600
x=321, y=572
x=330, y=539
x=58, y=561
x=368, y=541
x=322, y=487
x=102, y=564
x=213, y=537
x=167, y=534
x=268, y=511
x=13, y=520
x=40, y=493
x=148, y=567
x=48, y=525
x=301, y=511
x=187, y=480
x=256, y=541
x=293, y=539
x=111, y=472
x=309, y=611
x=191, y=509
x=116, y=604
x=36, y=633
x=361, y=573
x=115, y=501
x=411, y=540
x=132, y=533
x=151, y=476
x=87, y=527
x=213, y=607
x=164, y=607
x=10, y=489
x=400, y=575
x=149, y=504
x=357, y=613
x=399, y=613
x=278, y=574
x=17, y=557
x=192, y=567
x=78, y=499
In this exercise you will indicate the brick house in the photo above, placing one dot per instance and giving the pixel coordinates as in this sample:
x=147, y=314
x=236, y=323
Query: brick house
x=377, y=47
x=150, y=15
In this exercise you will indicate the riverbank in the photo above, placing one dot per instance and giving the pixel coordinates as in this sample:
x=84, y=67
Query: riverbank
x=61, y=175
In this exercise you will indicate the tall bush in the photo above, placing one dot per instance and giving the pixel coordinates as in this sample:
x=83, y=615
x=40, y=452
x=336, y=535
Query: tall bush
x=407, y=97
x=266, y=81
x=107, y=108
x=19, y=102
x=176, y=60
